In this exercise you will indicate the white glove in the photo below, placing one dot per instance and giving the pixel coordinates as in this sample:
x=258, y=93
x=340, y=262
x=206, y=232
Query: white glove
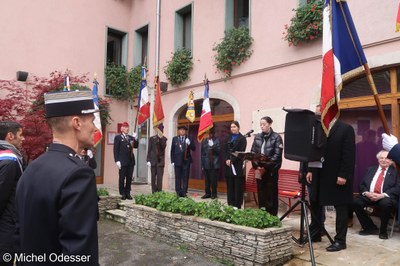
x=148, y=164
x=173, y=164
x=134, y=135
x=187, y=141
x=210, y=142
x=118, y=164
x=388, y=141
x=90, y=154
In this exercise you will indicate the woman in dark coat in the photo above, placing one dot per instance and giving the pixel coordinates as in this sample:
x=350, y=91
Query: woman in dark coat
x=234, y=173
x=270, y=144
x=337, y=173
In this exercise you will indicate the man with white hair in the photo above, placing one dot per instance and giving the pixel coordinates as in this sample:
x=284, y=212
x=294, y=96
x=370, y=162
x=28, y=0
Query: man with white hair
x=379, y=187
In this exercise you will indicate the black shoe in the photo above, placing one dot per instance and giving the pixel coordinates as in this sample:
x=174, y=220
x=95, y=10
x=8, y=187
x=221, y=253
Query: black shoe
x=367, y=232
x=214, y=196
x=206, y=196
x=383, y=236
x=123, y=198
x=336, y=247
x=129, y=197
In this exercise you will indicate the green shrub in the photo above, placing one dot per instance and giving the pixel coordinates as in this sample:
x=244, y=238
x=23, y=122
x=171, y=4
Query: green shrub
x=122, y=85
x=102, y=192
x=178, y=68
x=213, y=210
x=233, y=50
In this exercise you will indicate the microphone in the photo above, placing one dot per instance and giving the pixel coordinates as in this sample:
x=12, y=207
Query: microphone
x=248, y=133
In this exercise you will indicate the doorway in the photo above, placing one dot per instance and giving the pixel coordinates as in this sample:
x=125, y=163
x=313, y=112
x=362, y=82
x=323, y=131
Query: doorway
x=222, y=114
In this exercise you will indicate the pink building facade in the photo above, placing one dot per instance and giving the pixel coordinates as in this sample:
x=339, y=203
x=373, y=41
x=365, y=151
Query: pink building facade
x=45, y=35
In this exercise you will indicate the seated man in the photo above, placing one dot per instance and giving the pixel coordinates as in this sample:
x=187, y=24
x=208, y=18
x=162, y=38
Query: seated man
x=379, y=187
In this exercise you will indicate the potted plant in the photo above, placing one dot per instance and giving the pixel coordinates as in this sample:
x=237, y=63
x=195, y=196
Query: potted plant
x=233, y=50
x=178, y=68
x=306, y=25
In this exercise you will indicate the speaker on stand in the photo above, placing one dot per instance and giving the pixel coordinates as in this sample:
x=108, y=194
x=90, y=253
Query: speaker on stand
x=304, y=142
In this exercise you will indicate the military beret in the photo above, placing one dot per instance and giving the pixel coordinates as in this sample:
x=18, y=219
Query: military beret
x=125, y=124
x=66, y=103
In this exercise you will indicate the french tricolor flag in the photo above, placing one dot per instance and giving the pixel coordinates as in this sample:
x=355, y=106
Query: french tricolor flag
x=206, y=121
x=144, y=102
x=98, y=134
x=343, y=57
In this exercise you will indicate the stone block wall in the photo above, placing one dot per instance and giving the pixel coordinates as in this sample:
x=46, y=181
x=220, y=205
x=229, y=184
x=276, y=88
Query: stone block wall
x=239, y=244
x=108, y=203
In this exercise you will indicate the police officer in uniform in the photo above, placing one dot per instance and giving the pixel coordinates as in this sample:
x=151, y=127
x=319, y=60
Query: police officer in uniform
x=125, y=159
x=56, y=199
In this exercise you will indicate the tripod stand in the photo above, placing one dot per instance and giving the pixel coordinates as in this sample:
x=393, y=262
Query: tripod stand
x=304, y=223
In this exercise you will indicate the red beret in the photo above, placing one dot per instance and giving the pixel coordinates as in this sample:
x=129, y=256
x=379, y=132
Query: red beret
x=125, y=124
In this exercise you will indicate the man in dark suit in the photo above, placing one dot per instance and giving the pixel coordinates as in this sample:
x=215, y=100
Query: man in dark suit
x=336, y=178
x=156, y=160
x=56, y=198
x=380, y=187
x=125, y=159
x=181, y=159
x=210, y=164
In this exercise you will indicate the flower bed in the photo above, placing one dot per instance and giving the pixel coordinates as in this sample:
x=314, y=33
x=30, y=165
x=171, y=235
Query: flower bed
x=239, y=244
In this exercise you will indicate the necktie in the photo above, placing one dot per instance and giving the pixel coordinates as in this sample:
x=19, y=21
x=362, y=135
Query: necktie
x=379, y=182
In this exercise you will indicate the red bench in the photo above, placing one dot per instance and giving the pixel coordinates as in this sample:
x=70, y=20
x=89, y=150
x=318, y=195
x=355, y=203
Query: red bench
x=288, y=186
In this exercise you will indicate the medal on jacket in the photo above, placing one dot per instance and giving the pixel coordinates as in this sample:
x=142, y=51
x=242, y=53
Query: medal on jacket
x=180, y=142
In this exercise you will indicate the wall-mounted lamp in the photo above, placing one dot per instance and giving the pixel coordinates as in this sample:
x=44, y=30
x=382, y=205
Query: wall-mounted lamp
x=22, y=75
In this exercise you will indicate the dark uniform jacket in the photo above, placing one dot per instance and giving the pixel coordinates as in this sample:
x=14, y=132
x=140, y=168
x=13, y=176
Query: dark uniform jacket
x=123, y=149
x=180, y=151
x=391, y=184
x=210, y=155
x=156, y=151
x=57, y=206
x=339, y=160
x=394, y=154
x=273, y=148
x=10, y=172
x=231, y=146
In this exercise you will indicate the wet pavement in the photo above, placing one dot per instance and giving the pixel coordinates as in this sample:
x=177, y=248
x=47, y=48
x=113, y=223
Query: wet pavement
x=119, y=246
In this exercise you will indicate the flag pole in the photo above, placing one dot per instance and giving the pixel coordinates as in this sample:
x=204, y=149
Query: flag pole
x=376, y=98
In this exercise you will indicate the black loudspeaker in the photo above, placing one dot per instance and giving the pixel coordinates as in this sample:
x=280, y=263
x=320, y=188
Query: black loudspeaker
x=304, y=137
x=163, y=86
x=22, y=75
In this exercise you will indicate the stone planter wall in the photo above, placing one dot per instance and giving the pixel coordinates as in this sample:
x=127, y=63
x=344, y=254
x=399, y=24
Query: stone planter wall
x=242, y=245
x=108, y=203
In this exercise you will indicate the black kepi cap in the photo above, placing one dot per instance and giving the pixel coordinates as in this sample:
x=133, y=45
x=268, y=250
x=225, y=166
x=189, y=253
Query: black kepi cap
x=65, y=103
x=182, y=127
